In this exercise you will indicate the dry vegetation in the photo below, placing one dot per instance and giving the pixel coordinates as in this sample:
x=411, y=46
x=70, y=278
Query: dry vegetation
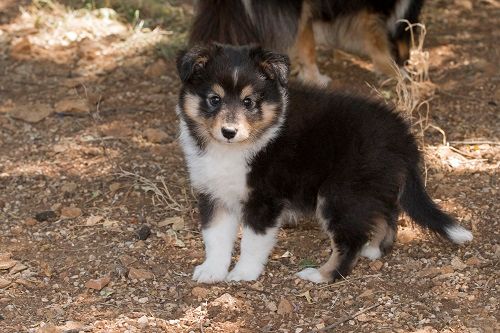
x=98, y=227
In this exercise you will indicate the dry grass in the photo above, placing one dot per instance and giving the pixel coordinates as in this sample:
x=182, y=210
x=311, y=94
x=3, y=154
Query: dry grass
x=161, y=194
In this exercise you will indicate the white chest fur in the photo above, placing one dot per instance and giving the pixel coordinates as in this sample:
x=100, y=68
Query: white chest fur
x=219, y=170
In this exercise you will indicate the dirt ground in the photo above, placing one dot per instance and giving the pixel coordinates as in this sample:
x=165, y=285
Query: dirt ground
x=98, y=226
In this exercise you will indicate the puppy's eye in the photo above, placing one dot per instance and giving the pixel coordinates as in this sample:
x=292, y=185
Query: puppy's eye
x=248, y=103
x=214, y=100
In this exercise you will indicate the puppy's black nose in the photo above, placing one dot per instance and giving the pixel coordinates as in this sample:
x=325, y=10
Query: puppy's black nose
x=229, y=132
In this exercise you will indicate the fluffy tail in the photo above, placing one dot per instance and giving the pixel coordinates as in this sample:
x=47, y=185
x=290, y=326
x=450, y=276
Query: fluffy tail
x=420, y=207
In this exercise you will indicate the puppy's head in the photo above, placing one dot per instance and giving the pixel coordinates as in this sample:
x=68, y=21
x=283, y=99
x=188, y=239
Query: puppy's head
x=231, y=95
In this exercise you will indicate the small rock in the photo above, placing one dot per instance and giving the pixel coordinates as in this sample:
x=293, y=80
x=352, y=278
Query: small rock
x=143, y=321
x=72, y=327
x=127, y=260
x=113, y=187
x=176, y=223
x=376, y=265
x=155, y=135
x=143, y=232
x=457, y=264
x=120, y=270
x=30, y=222
x=75, y=106
x=18, y=268
x=47, y=215
x=31, y=113
x=93, y=220
x=158, y=68
x=143, y=300
x=497, y=251
x=200, y=292
x=368, y=293
x=271, y=305
x=285, y=307
x=69, y=187
x=473, y=261
x=7, y=264
x=98, y=284
x=4, y=283
x=71, y=212
x=139, y=274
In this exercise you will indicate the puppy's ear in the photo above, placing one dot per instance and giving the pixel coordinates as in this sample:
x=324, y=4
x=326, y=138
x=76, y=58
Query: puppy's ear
x=275, y=66
x=192, y=62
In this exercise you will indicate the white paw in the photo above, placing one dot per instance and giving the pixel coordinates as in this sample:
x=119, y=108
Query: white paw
x=371, y=252
x=245, y=272
x=209, y=273
x=323, y=80
x=311, y=274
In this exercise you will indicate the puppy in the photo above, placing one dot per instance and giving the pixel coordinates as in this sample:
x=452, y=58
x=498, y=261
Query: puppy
x=259, y=149
x=363, y=26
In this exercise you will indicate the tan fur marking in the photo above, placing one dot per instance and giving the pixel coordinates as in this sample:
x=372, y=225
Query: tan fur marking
x=305, y=48
x=373, y=32
x=218, y=90
x=381, y=229
x=191, y=106
x=403, y=50
x=246, y=92
x=327, y=269
x=269, y=112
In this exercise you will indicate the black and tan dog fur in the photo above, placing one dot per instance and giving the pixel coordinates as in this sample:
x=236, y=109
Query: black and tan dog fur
x=260, y=149
x=370, y=27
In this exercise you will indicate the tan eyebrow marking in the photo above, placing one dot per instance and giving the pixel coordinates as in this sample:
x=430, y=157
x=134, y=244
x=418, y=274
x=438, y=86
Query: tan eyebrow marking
x=246, y=91
x=218, y=90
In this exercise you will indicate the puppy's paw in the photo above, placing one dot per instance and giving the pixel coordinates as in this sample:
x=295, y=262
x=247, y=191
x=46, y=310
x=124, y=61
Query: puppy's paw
x=209, y=273
x=245, y=272
x=312, y=274
x=323, y=80
x=371, y=252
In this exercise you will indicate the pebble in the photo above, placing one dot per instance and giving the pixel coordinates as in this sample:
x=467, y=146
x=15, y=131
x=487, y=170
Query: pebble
x=285, y=307
x=70, y=105
x=98, y=284
x=7, y=263
x=71, y=212
x=200, y=292
x=143, y=321
x=47, y=215
x=143, y=232
x=30, y=222
x=139, y=274
x=271, y=305
x=18, y=268
x=376, y=265
x=143, y=300
x=69, y=187
x=4, y=283
x=31, y=113
x=155, y=135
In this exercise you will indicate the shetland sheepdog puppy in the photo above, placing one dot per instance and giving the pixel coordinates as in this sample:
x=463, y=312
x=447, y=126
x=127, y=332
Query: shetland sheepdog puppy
x=369, y=27
x=259, y=149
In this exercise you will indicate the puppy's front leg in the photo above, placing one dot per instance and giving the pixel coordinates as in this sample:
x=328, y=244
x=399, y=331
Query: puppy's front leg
x=255, y=249
x=219, y=229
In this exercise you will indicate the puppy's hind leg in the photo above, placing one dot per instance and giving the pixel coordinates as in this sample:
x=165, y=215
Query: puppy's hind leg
x=381, y=240
x=347, y=222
